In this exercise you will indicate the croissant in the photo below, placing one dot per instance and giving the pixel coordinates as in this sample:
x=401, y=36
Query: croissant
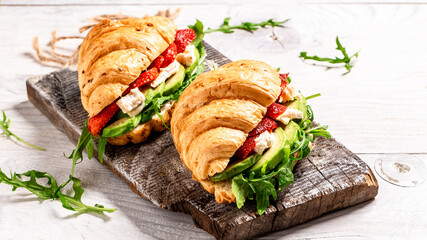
x=124, y=66
x=235, y=128
x=216, y=112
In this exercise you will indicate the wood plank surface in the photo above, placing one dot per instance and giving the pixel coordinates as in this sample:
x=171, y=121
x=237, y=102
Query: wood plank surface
x=330, y=179
x=392, y=39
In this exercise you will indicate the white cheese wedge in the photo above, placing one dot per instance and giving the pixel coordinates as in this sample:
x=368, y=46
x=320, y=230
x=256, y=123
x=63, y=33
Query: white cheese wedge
x=187, y=57
x=263, y=141
x=165, y=73
x=134, y=100
x=289, y=94
x=290, y=114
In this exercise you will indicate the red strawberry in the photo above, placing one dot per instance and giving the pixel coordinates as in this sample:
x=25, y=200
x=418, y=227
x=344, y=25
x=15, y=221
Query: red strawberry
x=157, y=63
x=275, y=110
x=144, y=78
x=169, y=55
x=283, y=76
x=246, y=148
x=97, y=122
x=183, y=38
x=266, y=124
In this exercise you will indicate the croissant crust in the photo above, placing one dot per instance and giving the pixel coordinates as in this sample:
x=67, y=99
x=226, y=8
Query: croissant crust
x=113, y=55
x=215, y=113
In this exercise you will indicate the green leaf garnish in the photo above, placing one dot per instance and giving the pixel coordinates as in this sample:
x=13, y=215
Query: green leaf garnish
x=247, y=26
x=198, y=29
x=4, y=125
x=85, y=142
x=268, y=184
x=346, y=59
x=51, y=190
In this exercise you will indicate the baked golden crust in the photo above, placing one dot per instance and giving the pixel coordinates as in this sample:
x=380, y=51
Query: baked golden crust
x=113, y=54
x=215, y=113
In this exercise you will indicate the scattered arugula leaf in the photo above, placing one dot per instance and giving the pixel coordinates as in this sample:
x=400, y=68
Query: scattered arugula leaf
x=52, y=191
x=4, y=125
x=247, y=26
x=346, y=59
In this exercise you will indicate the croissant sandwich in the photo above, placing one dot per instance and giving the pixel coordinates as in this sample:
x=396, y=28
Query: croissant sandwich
x=240, y=129
x=131, y=72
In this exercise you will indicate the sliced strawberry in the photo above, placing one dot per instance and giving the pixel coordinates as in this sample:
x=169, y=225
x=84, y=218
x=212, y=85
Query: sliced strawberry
x=266, y=124
x=144, y=78
x=97, y=122
x=157, y=63
x=169, y=55
x=284, y=78
x=183, y=38
x=247, y=147
x=275, y=110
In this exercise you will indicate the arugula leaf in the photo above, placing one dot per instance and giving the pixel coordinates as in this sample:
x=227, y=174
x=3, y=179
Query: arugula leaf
x=102, y=142
x=198, y=29
x=240, y=188
x=346, y=59
x=4, y=125
x=263, y=190
x=272, y=181
x=85, y=142
x=247, y=26
x=51, y=190
x=285, y=177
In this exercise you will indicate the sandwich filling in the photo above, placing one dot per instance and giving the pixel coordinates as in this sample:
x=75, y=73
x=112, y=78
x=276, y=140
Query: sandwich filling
x=149, y=91
x=263, y=165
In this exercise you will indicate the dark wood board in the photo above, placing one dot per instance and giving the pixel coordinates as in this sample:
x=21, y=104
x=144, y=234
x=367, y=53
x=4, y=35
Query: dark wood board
x=331, y=178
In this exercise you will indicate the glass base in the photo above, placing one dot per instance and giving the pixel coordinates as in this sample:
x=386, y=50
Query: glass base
x=405, y=172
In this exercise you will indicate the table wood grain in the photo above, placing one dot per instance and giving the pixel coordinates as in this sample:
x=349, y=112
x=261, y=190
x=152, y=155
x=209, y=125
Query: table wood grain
x=378, y=111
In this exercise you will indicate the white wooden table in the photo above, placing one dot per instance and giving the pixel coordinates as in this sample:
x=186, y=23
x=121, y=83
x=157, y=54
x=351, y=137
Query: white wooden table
x=379, y=111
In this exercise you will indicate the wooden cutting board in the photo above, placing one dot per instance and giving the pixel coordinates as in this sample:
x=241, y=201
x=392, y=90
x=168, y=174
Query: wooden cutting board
x=331, y=178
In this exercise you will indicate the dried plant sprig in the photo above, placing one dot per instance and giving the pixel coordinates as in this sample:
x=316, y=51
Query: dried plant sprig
x=55, y=39
x=42, y=58
x=67, y=60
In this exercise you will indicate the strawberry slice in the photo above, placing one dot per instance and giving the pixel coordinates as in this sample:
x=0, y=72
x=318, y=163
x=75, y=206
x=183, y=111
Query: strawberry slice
x=283, y=77
x=97, y=122
x=144, y=78
x=247, y=147
x=169, y=55
x=183, y=38
x=266, y=124
x=275, y=110
x=157, y=63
